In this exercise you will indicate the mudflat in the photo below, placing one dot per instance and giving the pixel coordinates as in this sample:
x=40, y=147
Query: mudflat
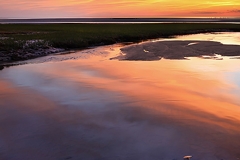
x=177, y=50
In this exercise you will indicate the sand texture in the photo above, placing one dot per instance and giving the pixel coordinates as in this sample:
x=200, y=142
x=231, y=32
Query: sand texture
x=177, y=50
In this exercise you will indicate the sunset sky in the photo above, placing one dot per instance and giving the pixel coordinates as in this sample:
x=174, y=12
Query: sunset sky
x=118, y=8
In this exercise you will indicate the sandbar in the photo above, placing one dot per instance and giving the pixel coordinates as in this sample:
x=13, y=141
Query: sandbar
x=150, y=51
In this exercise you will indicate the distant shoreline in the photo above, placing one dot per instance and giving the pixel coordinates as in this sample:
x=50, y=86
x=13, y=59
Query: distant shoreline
x=120, y=20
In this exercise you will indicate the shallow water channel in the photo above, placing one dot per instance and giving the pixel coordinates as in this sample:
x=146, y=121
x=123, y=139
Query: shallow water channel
x=84, y=106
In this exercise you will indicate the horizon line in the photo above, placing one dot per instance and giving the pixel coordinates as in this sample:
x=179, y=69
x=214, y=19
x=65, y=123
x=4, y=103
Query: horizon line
x=121, y=18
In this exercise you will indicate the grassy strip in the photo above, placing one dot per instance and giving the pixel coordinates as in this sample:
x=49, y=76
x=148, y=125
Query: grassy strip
x=15, y=37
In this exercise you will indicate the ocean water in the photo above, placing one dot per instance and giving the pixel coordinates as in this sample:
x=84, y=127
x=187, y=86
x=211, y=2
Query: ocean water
x=85, y=106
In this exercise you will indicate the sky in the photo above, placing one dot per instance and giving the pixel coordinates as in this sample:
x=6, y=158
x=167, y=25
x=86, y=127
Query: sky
x=118, y=8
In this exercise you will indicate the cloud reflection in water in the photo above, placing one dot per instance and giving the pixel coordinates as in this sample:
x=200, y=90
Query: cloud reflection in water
x=100, y=109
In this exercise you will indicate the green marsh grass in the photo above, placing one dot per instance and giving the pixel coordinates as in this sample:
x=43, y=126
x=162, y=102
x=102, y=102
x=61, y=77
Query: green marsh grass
x=76, y=36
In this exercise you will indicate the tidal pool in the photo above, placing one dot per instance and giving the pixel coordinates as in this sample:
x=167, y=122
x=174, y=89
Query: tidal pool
x=84, y=106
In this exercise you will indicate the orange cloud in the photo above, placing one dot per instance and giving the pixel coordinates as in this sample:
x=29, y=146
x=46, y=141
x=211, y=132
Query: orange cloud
x=119, y=8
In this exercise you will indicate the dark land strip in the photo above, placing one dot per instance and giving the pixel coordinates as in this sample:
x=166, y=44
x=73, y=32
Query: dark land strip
x=26, y=41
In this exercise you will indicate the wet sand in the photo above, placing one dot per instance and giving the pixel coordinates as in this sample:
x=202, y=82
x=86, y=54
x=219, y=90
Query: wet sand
x=177, y=50
x=89, y=107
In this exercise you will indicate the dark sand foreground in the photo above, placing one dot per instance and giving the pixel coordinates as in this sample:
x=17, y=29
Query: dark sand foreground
x=177, y=50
